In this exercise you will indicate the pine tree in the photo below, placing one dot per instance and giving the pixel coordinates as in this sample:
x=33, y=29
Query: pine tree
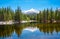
x=51, y=15
x=17, y=15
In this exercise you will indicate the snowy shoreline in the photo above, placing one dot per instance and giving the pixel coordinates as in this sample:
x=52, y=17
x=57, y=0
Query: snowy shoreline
x=11, y=22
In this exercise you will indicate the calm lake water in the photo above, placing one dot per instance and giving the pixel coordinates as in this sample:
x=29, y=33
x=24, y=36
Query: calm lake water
x=30, y=31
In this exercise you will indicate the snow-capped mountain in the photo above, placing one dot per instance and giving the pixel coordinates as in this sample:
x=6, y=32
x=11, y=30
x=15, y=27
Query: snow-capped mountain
x=31, y=11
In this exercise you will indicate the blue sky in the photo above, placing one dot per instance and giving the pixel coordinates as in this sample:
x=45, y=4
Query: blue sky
x=28, y=4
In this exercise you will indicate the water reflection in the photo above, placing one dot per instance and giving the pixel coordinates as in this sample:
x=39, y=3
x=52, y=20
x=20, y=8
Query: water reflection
x=30, y=31
x=6, y=31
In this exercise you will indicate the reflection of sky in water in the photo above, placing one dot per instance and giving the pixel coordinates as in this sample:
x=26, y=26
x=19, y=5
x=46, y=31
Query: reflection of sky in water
x=38, y=35
x=34, y=33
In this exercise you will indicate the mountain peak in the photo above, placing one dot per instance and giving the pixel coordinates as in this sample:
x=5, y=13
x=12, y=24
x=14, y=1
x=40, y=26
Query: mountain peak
x=32, y=10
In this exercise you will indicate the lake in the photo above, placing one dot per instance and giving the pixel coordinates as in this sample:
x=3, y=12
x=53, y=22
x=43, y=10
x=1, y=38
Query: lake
x=30, y=31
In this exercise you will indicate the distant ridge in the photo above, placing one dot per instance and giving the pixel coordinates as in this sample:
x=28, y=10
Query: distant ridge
x=31, y=11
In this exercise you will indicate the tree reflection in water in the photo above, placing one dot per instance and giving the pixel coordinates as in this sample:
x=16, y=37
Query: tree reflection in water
x=7, y=30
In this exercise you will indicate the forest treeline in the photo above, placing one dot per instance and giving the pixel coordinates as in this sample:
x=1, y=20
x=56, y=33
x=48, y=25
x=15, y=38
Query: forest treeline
x=46, y=15
x=7, y=14
x=49, y=15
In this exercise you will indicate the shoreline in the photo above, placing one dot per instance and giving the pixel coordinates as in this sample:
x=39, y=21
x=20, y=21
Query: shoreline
x=15, y=22
x=11, y=22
